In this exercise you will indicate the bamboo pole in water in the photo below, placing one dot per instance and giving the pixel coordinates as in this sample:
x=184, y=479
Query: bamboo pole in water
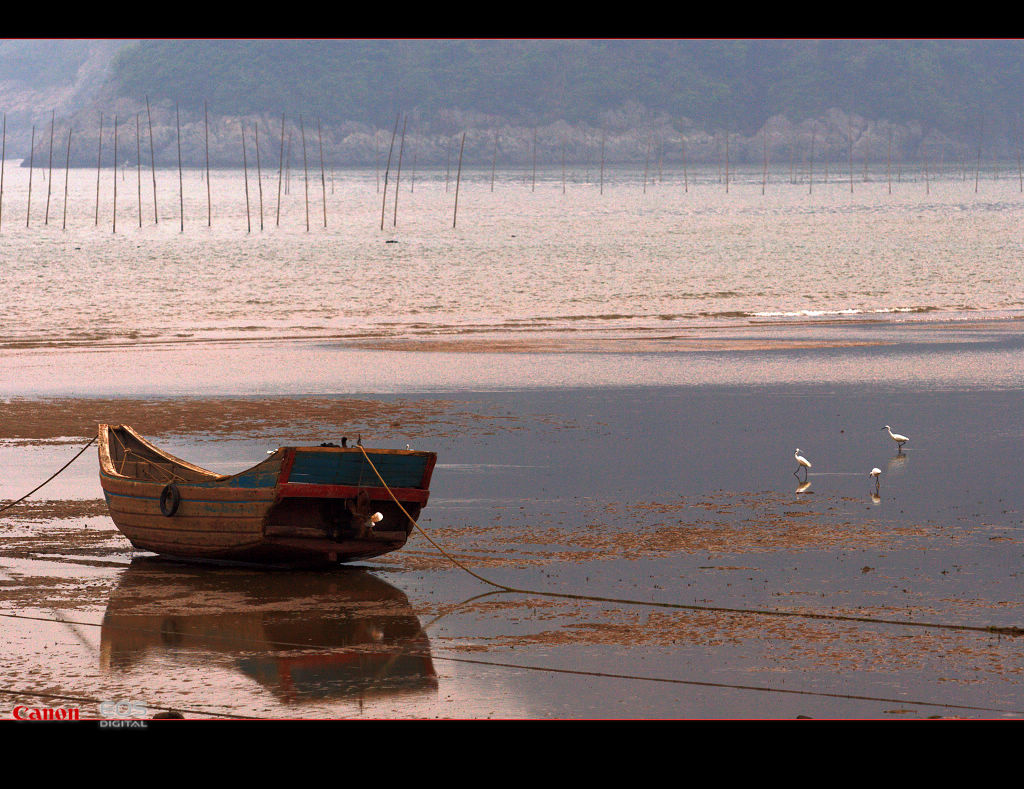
x=727, y=161
x=686, y=178
x=152, y=161
x=99, y=157
x=458, y=178
x=245, y=171
x=810, y=164
x=888, y=162
x=31, y=159
x=259, y=172
x=181, y=183
x=977, y=169
x=1020, y=173
x=3, y=154
x=323, y=180
x=764, y=167
x=647, y=162
x=138, y=163
x=849, y=139
x=114, y=216
x=305, y=169
x=387, y=171
x=206, y=135
x=67, y=167
x=49, y=175
x=280, y=172
x=533, y=184
x=494, y=158
x=398, y=173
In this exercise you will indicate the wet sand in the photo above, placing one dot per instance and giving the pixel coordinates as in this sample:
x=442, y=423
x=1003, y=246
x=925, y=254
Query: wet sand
x=671, y=564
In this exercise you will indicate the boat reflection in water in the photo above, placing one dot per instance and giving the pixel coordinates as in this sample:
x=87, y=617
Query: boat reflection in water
x=344, y=634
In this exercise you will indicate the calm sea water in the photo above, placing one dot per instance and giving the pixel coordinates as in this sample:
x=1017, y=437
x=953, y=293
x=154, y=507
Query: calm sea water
x=634, y=254
x=632, y=259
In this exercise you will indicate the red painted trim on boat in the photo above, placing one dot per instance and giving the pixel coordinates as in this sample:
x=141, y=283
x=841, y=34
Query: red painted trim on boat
x=286, y=466
x=428, y=472
x=310, y=490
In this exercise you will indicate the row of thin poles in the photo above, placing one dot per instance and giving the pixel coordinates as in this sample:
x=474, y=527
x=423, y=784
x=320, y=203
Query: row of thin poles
x=138, y=135
x=724, y=160
x=398, y=174
x=394, y=136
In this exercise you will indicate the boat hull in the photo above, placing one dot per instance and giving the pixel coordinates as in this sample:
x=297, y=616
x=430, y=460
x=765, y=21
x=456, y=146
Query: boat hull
x=302, y=505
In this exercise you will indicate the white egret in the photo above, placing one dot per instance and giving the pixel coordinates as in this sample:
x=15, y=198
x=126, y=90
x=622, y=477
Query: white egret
x=900, y=440
x=876, y=473
x=802, y=462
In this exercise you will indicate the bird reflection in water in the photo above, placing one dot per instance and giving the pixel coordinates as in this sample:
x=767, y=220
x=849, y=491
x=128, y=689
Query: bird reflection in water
x=803, y=487
x=896, y=464
x=345, y=634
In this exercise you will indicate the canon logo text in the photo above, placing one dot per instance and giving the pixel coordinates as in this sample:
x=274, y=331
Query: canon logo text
x=22, y=713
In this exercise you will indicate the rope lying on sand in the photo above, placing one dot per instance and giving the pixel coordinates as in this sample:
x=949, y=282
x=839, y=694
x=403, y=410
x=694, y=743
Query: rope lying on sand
x=58, y=471
x=989, y=629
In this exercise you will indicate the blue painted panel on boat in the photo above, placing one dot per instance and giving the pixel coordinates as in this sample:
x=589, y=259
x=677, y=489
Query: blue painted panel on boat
x=351, y=468
x=256, y=478
x=216, y=503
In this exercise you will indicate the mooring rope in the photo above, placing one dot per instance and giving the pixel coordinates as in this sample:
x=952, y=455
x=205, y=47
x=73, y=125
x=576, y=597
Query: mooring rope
x=395, y=653
x=988, y=629
x=1009, y=630
x=58, y=471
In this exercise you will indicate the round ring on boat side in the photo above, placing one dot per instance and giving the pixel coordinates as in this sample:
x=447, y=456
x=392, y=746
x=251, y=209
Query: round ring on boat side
x=170, y=498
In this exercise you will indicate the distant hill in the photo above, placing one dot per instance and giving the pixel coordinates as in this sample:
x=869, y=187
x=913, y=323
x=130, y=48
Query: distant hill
x=43, y=76
x=932, y=97
x=949, y=85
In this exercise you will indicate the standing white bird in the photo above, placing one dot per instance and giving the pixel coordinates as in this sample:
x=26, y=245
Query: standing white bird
x=900, y=440
x=876, y=473
x=802, y=462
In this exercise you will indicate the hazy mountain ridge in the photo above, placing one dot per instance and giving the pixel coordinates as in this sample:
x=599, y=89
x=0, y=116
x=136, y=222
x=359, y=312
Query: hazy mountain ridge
x=633, y=101
x=40, y=78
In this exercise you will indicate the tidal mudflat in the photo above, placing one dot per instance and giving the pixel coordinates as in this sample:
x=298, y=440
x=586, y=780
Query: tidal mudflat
x=614, y=378
x=667, y=562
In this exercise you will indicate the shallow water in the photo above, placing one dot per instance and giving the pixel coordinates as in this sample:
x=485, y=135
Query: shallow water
x=622, y=256
x=683, y=496
x=656, y=472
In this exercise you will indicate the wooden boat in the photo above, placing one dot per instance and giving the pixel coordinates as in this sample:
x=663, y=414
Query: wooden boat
x=301, y=505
